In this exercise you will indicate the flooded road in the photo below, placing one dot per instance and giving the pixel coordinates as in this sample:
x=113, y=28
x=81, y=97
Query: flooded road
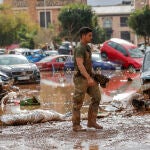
x=122, y=130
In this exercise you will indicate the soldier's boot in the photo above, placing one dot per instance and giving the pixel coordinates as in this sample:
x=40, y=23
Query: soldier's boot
x=92, y=115
x=76, y=121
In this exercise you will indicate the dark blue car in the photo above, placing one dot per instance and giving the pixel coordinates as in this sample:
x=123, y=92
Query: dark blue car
x=97, y=63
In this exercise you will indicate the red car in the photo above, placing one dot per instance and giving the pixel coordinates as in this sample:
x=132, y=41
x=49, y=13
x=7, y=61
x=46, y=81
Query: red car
x=122, y=52
x=52, y=63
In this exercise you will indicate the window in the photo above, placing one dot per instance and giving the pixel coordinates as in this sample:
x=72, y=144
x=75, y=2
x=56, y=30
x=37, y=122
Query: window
x=107, y=23
x=125, y=35
x=123, y=21
x=112, y=44
x=118, y=47
x=121, y=49
x=42, y=19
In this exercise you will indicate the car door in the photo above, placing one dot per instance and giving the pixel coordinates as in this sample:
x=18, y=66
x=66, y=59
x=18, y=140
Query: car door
x=59, y=63
x=121, y=55
x=111, y=50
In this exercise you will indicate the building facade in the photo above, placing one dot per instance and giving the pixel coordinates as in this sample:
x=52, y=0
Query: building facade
x=112, y=18
x=42, y=12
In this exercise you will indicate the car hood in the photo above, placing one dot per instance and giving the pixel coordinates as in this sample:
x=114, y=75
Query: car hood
x=18, y=67
x=145, y=75
x=138, y=60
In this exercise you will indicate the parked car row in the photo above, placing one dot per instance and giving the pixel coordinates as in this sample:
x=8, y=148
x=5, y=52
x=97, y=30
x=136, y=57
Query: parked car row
x=114, y=54
x=32, y=55
x=97, y=63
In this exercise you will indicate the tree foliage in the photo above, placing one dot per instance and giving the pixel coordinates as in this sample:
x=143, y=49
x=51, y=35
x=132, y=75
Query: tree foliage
x=16, y=28
x=140, y=23
x=75, y=16
x=45, y=36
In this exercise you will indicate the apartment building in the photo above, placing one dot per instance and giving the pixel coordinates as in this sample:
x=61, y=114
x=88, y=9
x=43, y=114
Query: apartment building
x=42, y=12
x=112, y=14
x=113, y=18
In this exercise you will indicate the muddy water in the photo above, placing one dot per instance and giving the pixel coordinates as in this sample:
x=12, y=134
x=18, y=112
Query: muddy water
x=55, y=91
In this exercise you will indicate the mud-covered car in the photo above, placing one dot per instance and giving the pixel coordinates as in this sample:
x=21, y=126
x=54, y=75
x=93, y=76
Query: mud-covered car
x=145, y=72
x=18, y=67
x=4, y=79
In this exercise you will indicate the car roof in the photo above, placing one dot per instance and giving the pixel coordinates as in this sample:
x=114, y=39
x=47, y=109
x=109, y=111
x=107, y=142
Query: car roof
x=21, y=50
x=12, y=55
x=123, y=42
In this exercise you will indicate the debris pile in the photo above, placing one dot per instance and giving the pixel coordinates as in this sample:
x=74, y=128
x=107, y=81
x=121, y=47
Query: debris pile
x=30, y=117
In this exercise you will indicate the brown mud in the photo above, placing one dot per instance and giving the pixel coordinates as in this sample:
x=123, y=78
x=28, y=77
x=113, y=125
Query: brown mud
x=125, y=130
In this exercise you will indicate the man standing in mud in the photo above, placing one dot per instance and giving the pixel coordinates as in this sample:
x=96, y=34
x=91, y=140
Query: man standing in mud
x=84, y=83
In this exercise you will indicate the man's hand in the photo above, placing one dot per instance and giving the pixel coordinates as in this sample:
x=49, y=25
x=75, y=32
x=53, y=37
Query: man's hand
x=91, y=81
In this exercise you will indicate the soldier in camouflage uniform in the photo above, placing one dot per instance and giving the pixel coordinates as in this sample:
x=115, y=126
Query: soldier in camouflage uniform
x=84, y=83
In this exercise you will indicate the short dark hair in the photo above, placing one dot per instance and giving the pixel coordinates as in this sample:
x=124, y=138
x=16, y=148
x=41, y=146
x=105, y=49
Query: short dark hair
x=84, y=30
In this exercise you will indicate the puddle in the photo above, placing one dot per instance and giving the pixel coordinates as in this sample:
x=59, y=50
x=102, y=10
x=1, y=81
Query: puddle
x=56, y=90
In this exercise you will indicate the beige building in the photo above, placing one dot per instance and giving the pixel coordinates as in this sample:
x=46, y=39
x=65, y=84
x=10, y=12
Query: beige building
x=112, y=18
x=42, y=12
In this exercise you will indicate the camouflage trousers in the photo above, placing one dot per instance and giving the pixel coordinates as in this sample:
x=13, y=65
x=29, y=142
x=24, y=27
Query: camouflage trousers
x=81, y=88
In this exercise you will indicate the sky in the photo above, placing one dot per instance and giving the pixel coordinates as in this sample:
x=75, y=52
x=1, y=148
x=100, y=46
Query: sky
x=1, y=1
x=103, y=2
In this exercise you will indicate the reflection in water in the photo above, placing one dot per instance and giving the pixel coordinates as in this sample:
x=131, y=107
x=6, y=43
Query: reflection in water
x=56, y=90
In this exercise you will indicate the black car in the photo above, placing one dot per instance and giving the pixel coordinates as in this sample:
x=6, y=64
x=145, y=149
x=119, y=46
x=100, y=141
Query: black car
x=65, y=48
x=18, y=67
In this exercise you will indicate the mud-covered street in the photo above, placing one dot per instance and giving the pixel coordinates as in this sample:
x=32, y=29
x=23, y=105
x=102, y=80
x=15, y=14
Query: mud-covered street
x=119, y=133
x=124, y=129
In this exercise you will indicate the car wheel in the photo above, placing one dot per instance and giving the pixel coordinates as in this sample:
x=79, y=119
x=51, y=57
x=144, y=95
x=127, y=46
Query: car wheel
x=68, y=70
x=104, y=56
x=98, y=70
x=131, y=69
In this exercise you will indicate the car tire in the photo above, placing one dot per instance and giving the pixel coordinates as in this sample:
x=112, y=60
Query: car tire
x=68, y=70
x=104, y=56
x=131, y=69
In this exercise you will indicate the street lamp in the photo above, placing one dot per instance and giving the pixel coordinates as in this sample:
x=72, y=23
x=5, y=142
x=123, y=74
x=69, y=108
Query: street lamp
x=45, y=14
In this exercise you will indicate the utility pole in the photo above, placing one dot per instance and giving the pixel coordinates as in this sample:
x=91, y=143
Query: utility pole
x=45, y=17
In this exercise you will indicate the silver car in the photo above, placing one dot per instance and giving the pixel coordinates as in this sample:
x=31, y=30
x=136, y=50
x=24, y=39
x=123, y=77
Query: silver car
x=18, y=67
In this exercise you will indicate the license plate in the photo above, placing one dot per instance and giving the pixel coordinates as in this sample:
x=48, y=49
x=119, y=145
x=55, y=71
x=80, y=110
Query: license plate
x=24, y=78
x=118, y=68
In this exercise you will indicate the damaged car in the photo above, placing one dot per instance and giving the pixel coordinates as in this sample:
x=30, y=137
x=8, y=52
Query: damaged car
x=145, y=72
x=18, y=68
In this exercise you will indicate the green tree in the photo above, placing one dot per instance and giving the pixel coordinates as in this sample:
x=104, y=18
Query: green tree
x=140, y=23
x=16, y=28
x=45, y=36
x=73, y=17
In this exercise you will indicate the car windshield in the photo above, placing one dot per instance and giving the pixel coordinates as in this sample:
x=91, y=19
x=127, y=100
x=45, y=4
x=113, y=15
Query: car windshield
x=13, y=60
x=136, y=53
x=146, y=64
x=96, y=57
